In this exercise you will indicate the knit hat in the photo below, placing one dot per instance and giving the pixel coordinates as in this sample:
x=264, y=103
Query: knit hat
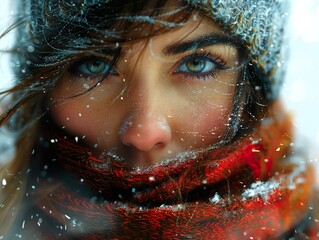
x=259, y=25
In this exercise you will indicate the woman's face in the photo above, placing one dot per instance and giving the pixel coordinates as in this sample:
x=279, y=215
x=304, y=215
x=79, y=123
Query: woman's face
x=168, y=95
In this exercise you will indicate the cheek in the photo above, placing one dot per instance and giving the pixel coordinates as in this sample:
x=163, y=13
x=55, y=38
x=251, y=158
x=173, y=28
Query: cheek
x=83, y=120
x=89, y=114
x=72, y=117
x=205, y=125
x=214, y=121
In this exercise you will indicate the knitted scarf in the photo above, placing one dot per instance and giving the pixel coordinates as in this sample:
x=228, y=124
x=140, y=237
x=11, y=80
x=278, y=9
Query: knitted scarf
x=255, y=188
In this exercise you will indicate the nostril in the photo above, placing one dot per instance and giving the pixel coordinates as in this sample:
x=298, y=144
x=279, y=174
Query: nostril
x=143, y=144
x=159, y=145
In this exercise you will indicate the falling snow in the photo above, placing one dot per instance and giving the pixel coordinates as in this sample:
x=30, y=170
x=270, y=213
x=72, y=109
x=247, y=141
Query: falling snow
x=215, y=199
x=298, y=97
x=4, y=182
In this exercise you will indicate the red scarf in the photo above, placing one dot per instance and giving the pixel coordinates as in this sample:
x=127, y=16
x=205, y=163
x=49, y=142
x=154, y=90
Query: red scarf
x=249, y=189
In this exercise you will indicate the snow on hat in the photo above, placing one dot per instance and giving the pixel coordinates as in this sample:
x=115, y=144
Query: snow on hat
x=259, y=25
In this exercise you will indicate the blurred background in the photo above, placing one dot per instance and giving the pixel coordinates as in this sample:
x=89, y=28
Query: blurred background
x=301, y=89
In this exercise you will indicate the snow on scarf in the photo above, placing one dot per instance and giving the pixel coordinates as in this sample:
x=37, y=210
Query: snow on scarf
x=254, y=189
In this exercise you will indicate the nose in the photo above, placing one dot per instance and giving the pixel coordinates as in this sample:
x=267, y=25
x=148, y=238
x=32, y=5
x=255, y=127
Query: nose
x=145, y=132
x=146, y=125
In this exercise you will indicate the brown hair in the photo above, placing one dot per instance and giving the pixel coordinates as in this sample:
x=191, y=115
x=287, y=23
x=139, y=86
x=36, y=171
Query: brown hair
x=50, y=35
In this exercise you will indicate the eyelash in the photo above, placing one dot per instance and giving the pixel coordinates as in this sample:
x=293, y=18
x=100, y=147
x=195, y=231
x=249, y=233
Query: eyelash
x=74, y=67
x=213, y=58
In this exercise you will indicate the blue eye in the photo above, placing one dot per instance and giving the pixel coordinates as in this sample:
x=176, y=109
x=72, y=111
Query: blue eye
x=96, y=67
x=200, y=65
x=196, y=66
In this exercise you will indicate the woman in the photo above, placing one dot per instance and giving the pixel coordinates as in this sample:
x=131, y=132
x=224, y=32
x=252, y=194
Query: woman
x=152, y=119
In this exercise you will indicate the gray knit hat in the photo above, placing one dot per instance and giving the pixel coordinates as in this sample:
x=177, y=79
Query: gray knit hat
x=259, y=25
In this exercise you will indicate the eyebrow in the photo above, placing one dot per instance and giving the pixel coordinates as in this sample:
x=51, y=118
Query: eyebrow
x=200, y=42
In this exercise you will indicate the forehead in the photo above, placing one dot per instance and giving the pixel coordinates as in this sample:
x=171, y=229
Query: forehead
x=197, y=25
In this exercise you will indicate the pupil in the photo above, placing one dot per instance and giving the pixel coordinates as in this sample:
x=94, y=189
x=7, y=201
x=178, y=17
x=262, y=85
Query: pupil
x=197, y=65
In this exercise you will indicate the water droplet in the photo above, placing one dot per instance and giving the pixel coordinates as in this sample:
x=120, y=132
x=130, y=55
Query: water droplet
x=86, y=86
x=4, y=182
x=151, y=178
x=30, y=49
x=93, y=199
